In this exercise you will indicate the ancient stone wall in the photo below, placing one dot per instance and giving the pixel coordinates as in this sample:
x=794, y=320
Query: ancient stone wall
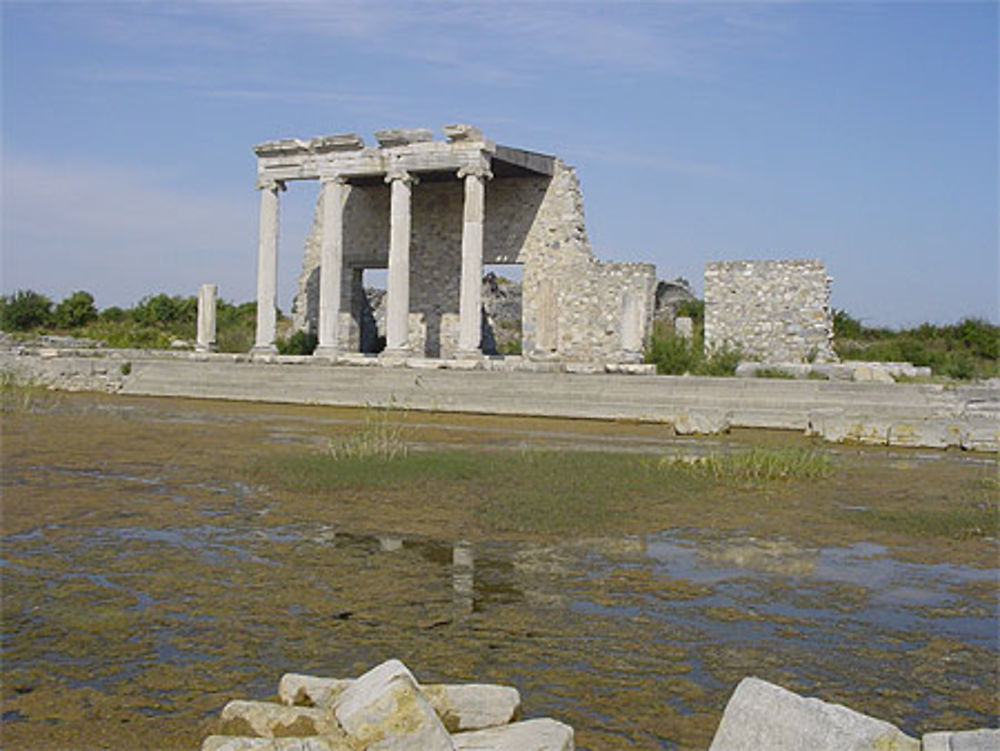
x=575, y=308
x=771, y=311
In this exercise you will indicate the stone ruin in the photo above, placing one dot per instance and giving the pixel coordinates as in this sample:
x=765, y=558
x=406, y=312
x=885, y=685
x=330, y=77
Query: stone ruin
x=770, y=311
x=433, y=213
x=387, y=710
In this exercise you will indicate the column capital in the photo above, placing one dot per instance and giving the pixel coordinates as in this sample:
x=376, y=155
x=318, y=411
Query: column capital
x=402, y=175
x=267, y=183
x=475, y=170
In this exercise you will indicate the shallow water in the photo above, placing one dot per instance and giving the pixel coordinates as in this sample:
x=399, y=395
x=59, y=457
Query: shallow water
x=145, y=585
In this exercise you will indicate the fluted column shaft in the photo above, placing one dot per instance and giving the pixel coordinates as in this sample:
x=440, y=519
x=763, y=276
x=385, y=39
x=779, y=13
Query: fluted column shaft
x=397, y=314
x=470, y=295
x=331, y=266
x=267, y=266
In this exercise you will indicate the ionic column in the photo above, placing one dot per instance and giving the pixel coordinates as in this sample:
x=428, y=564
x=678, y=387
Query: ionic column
x=267, y=266
x=331, y=265
x=470, y=337
x=397, y=309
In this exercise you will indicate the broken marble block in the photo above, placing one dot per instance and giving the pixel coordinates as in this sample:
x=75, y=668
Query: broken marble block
x=471, y=706
x=530, y=735
x=268, y=720
x=240, y=743
x=384, y=710
x=986, y=739
x=760, y=715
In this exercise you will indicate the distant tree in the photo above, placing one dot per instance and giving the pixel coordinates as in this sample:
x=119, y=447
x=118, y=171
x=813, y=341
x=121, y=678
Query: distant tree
x=164, y=310
x=25, y=310
x=76, y=310
x=114, y=314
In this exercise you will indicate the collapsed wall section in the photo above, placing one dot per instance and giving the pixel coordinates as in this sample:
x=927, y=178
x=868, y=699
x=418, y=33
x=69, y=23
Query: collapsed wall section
x=771, y=311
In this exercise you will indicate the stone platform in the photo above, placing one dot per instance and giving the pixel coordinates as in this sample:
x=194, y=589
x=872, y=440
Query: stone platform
x=873, y=413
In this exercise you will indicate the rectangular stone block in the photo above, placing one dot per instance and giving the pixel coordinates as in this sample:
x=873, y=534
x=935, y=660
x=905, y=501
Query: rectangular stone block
x=531, y=735
x=986, y=739
x=383, y=710
x=760, y=715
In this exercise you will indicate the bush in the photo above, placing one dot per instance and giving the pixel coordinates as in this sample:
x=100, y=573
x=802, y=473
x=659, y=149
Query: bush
x=76, y=310
x=25, y=310
x=299, y=343
x=672, y=355
x=162, y=310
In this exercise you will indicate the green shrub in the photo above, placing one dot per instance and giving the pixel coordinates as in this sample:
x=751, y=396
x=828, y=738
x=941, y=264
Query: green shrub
x=968, y=349
x=75, y=311
x=672, y=355
x=299, y=343
x=25, y=310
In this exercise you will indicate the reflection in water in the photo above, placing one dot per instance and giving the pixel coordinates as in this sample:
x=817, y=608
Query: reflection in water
x=587, y=629
x=463, y=576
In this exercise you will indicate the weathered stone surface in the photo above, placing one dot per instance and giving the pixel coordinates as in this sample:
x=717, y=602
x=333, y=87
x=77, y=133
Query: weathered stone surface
x=244, y=743
x=773, y=311
x=987, y=739
x=684, y=327
x=868, y=371
x=669, y=296
x=704, y=422
x=473, y=706
x=384, y=711
x=760, y=715
x=461, y=132
x=295, y=689
x=530, y=735
x=269, y=720
x=460, y=707
x=393, y=137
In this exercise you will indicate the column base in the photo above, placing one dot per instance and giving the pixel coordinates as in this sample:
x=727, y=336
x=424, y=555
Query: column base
x=330, y=353
x=263, y=349
x=468, y=354
x=396, y=354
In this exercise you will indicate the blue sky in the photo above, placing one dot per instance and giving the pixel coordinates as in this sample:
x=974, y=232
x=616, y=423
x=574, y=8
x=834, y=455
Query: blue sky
x=864, y=134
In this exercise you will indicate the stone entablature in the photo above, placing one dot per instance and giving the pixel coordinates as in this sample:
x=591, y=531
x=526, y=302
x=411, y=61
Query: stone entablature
x=434, y=213
x=771, y=311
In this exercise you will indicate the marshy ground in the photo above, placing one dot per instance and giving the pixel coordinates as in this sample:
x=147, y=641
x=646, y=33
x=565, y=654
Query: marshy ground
x=163, y=556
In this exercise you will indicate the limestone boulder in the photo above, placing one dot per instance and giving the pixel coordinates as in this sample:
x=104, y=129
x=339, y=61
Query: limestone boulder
x=268, y=720
x=472, y=706
x=244, y=743
x=384, y=710
x=296, y=689
x=987, y=739
x=530, y=735
x=760, y=715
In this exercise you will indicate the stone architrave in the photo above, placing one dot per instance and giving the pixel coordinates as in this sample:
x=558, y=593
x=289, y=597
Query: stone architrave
x=267, y=267
x=470, y=299
x=207, y=295
x=397, y=326
x=331, y=266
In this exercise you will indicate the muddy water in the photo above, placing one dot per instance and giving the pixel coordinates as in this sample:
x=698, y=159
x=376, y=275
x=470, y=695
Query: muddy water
x=145, y=583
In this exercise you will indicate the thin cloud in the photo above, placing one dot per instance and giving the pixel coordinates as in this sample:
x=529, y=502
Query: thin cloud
x=83, y=225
